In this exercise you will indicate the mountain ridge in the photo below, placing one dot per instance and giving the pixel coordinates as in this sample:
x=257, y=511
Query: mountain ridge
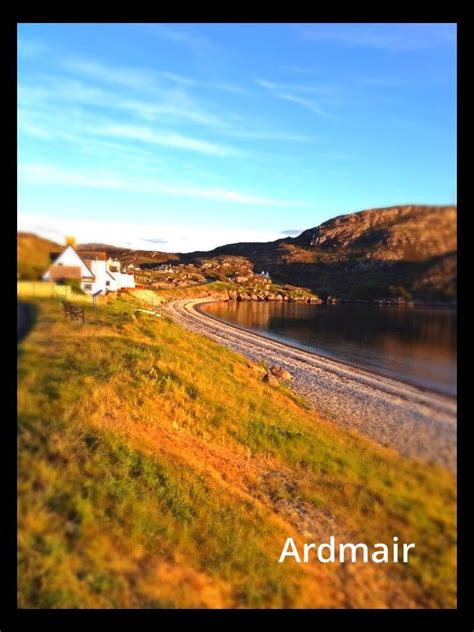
x=407, y=251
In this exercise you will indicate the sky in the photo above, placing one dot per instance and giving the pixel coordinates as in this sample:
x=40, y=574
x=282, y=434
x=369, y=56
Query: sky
x=182, y=137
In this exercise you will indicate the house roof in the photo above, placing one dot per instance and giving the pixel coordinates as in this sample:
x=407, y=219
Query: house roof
x=92, y=255
x=84, y=254
x=54, y=255
x=65, y=272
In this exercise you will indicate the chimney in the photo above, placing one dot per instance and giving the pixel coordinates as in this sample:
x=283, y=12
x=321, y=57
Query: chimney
x=70, y=241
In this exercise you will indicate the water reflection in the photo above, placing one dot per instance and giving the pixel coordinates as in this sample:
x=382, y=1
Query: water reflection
x=417, y=345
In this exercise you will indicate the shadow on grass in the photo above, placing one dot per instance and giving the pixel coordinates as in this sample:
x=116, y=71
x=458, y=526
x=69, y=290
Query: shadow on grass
x=26, y=318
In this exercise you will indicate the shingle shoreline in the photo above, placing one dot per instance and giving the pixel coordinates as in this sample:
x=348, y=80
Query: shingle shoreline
x=414, y=422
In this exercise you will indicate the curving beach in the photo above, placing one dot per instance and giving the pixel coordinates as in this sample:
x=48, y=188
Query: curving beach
x=414, y=422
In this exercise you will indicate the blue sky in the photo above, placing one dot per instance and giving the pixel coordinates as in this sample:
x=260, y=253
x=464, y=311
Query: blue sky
x=187, y=136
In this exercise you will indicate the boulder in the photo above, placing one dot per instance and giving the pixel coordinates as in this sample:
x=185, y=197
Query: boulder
x=269, y=379
x=281, y=373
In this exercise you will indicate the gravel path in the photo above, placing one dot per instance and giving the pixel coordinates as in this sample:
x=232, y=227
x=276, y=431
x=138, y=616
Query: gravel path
x=416, y=423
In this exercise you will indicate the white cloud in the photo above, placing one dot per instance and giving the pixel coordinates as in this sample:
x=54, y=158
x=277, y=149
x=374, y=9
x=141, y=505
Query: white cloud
x=177, y=237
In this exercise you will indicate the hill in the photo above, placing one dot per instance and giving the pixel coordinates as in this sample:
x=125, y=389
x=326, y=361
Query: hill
x=397, y=252
x=373, y=254
x=404, y=252
x=33, y=255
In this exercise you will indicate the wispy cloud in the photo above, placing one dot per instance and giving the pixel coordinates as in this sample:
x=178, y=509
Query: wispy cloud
x=384, y=82
x=397, y=38
x=271, y=136
x=309, y=104
x=198, y=83
x=165, y=139
x=322, y=88
x=292, y=232
x=30, y=48
x=154, y=99
x=194, y=41
x=42, y=108
x=135, y=78
x=33, y=129
x=146, y=80
x=282, y=91
x=155, y=241
x=42, y=115
x=40, y=174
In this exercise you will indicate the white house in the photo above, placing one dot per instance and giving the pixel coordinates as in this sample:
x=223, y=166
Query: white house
x=122, y=279
x=91, y=268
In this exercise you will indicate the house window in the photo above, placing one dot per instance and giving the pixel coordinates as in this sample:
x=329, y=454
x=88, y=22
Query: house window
x=107, y=283
x=87, y=287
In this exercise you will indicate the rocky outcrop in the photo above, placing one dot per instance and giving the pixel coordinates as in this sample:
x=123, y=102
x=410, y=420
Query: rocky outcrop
x=269, y=379
x=280, y=372
x=276, y=373
x=241, y=295
x=388, y=234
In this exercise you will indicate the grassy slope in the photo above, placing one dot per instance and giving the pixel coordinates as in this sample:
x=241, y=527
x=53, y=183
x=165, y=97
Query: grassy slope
x=156, y=469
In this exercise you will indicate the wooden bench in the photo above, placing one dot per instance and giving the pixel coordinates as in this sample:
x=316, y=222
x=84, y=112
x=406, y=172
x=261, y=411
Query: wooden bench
x=74, y=312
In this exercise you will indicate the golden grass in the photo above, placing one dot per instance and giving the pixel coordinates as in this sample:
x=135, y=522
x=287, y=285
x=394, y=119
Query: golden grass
x=156, y=469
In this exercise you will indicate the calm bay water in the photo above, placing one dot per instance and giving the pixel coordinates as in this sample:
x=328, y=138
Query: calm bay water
x=416, y=345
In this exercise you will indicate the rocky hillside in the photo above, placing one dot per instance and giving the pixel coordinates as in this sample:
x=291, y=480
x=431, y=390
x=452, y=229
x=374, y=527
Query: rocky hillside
x=410, y=233
x=405, y=251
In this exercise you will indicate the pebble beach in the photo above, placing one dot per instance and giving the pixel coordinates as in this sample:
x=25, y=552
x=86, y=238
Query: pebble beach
x=414, y=422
